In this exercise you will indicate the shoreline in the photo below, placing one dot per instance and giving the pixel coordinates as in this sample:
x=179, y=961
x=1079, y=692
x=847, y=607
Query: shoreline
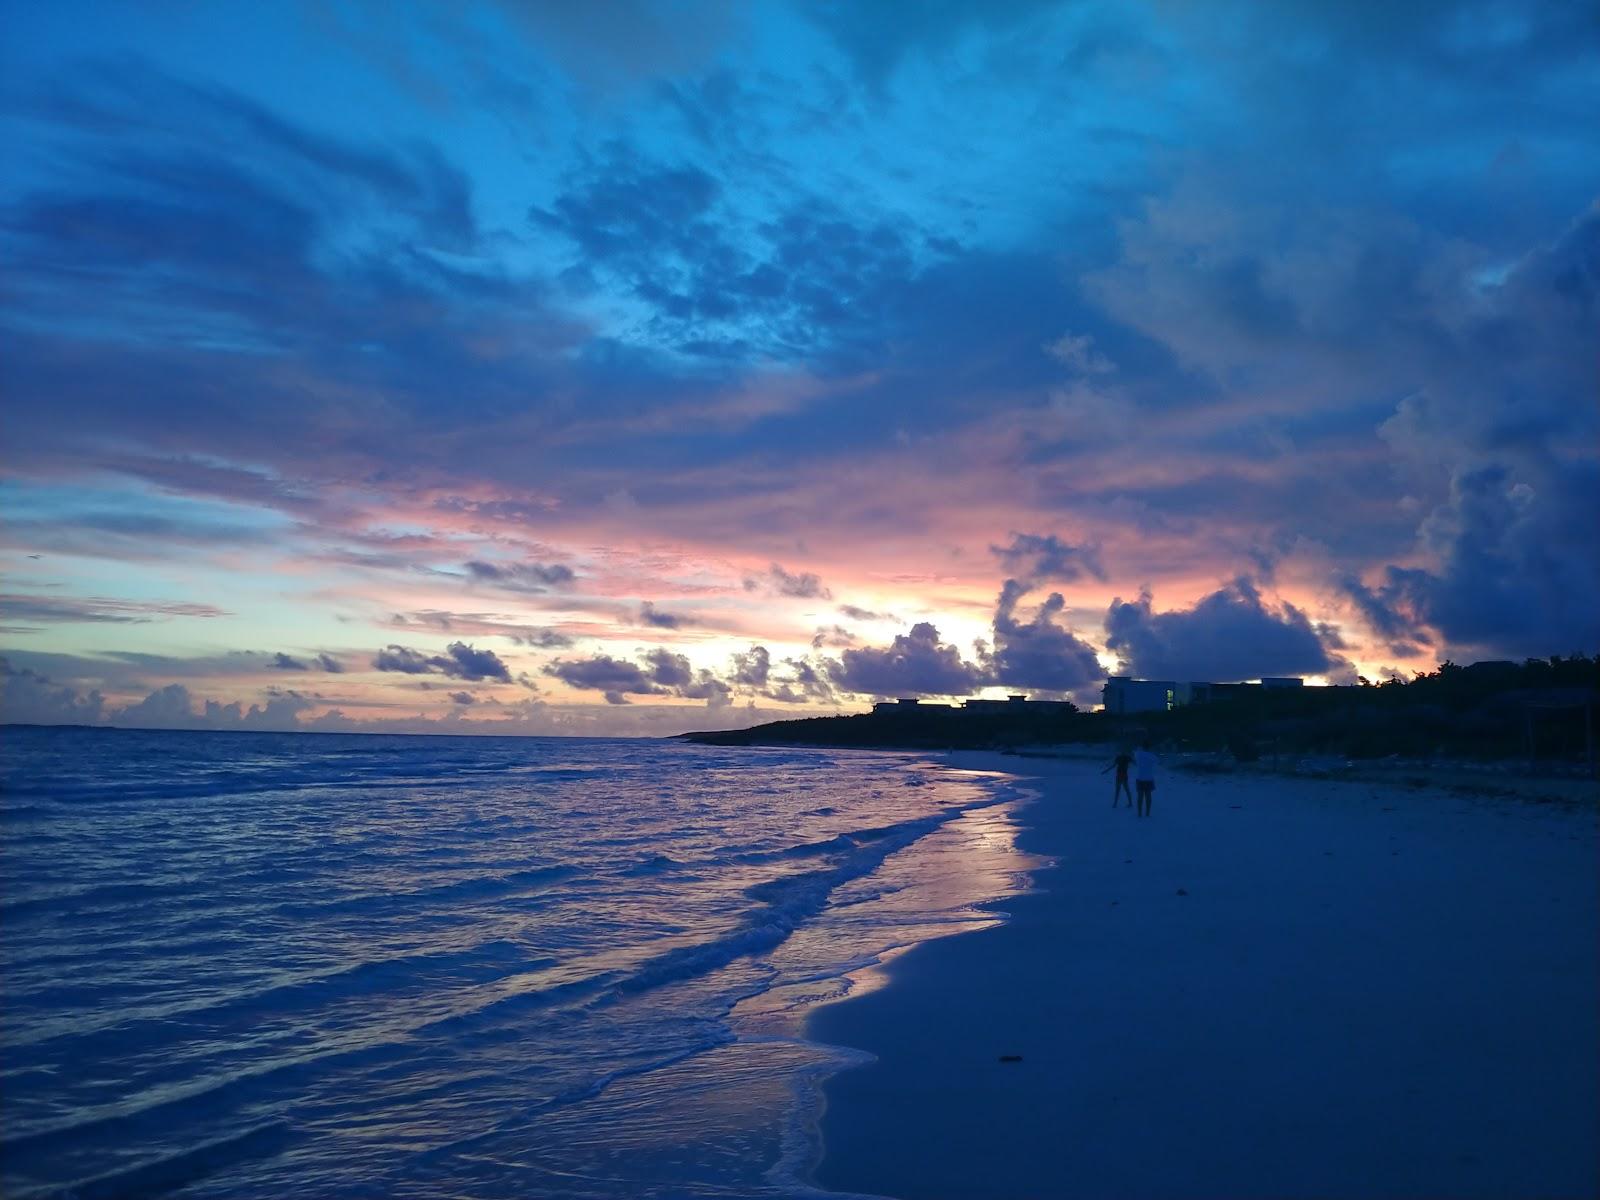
x=1279, y=985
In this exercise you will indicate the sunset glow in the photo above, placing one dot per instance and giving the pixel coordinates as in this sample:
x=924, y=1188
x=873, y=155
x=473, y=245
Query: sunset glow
x=495, y=368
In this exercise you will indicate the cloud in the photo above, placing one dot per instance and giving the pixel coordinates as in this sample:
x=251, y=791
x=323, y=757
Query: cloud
x=546, y=639
x=720, y=278
x=521, y=577
x=460, y=661
x=405, y=660
x=1511, y=578
x=1230, y=635
x=282, y=662
x=171, y=707
x=832, y=635
x=806, y=684
x=914, y=664
x=1078, y=354
x=29, y=698
x=482, y=624
x=674, y=673
x=463, y=698
x=662, y=673
x=751, y=668
x=1386, y=611
x=54, y=610
x=803, y=586
x=649, y=614
x=864, y=614
x=1038, y=559
x=175, y=707
x=1039, y=654
x=344, y=335
x=615, y=677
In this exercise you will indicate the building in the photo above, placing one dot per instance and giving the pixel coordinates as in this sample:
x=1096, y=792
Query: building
x=1018, y=704
x=1124, y=694
x=905, y=704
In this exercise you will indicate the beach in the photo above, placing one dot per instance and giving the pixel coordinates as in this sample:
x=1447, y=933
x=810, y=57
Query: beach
x=1272, y=987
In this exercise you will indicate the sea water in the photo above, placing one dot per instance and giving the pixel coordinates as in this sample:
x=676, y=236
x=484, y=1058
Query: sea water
x=291, y=964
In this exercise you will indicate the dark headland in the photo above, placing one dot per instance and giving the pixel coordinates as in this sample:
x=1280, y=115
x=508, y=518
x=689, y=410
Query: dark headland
x=1540, y=711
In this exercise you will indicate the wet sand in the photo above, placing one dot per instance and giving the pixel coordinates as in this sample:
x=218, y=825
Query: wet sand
x=1273, y=987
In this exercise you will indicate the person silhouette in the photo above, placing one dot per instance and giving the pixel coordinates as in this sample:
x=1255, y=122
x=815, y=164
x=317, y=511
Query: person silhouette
x=1144, y=761
x=1122, y=762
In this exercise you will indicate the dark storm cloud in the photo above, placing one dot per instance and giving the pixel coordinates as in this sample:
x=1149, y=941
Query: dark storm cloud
x=521, y=577
x=1231, y=634
x=1386, y=611
x=916, y=663
x=1047, y=558
x=1038, y=653
x=460, y=661
x=1508, y=565
x=1511, y=579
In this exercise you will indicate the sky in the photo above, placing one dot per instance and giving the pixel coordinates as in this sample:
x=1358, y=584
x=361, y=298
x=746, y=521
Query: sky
x=633, y=368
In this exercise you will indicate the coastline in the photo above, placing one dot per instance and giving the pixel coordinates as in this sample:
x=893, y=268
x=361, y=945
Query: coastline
x=1276, y=986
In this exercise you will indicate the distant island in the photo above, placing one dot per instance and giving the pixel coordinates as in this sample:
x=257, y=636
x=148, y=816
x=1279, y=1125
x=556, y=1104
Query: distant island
x=1541, y=709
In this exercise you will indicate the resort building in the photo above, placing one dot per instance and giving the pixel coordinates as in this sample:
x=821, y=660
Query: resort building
x=1124, y=694
x=1011, y=704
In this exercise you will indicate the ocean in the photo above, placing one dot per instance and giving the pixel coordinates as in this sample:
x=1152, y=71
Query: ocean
x=242, y=965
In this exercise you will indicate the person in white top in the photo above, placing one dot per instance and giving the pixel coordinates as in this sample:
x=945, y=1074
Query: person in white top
x=1144, y=768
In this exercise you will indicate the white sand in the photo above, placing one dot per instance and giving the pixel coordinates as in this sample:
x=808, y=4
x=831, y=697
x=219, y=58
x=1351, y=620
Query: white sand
x=1367, y=991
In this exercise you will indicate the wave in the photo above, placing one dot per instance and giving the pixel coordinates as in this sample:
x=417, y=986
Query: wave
x=168, y=1173
x=786, y=902
x=536, y=923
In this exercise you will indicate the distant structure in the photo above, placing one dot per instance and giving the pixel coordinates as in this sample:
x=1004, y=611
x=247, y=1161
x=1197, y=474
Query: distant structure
x=905, y=704
x=1014, y=704
x=1124, y=694
x=1011, y=704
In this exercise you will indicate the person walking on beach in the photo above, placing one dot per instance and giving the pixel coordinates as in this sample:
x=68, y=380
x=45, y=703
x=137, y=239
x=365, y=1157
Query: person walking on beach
x=1122, y=762
x=1144, y=762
